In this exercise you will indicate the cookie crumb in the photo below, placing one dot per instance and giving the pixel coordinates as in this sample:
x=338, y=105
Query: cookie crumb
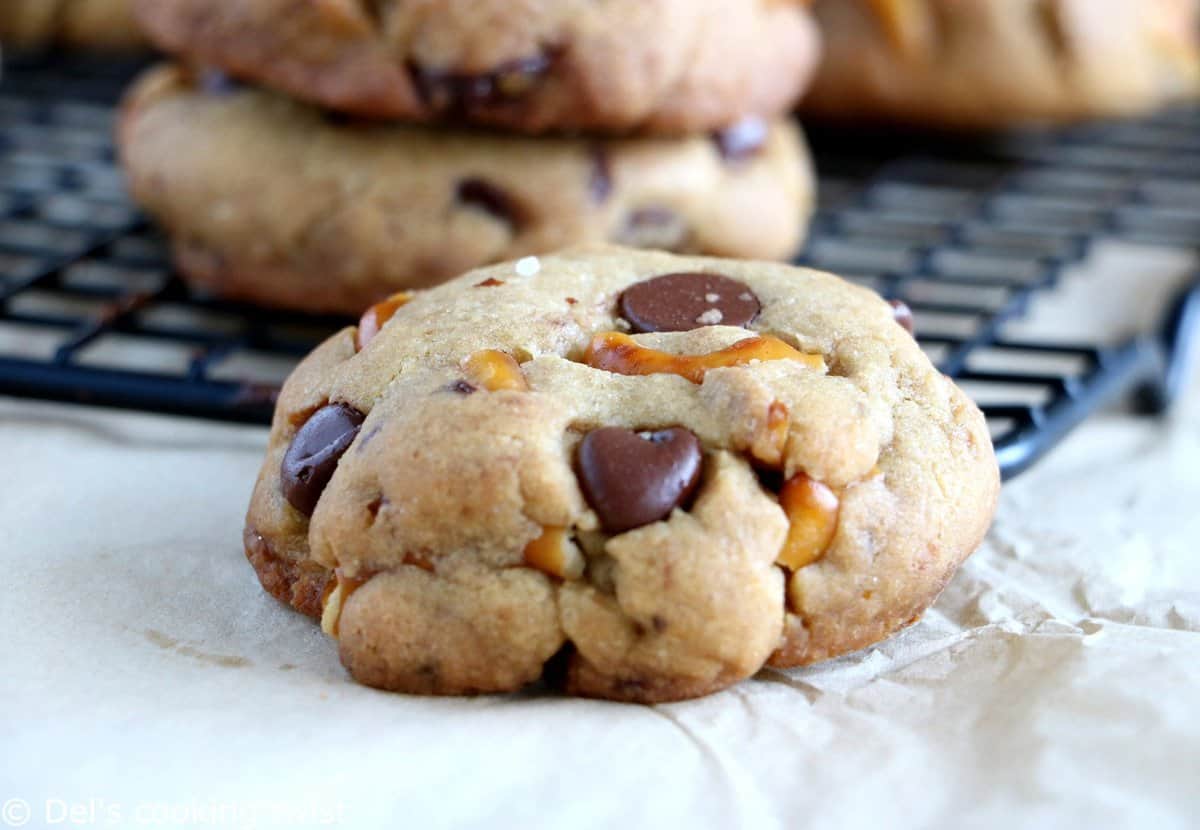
x=711, y=317
x=528, y=266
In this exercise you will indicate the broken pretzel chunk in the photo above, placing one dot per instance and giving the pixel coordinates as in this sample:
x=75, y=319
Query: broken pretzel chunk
x=812, y=512
x=556, y=554
x=495, y=371
x=621, y=354
x=770, y=439
x=337, y=593
x=376, y=316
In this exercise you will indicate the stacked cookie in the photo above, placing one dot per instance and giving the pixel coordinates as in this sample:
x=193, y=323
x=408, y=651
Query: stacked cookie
x=393, y=145
x=102, y=25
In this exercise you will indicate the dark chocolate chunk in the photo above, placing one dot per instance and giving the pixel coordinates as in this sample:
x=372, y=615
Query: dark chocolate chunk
x=458, y=93
x=491, y=199
x=903, y=315
x=314, y=454
x=681, y=302
x=632, y=479
x=742, y=140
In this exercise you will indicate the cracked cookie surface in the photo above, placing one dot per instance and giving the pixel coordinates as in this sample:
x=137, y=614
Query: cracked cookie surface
x=273, y=201
x=499, y=475
x=663, y=66
x=995, y=63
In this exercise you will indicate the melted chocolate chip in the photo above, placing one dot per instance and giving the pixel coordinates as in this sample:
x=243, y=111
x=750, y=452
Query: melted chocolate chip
x=742, y=140
x=632, y=479
x=459, y=93
x=600, y=182
x=314, y=454
x=490, y=199
x=903, y=315
x=681, y=302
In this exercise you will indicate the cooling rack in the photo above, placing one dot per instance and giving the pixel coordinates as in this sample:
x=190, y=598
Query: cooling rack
x=968, y=233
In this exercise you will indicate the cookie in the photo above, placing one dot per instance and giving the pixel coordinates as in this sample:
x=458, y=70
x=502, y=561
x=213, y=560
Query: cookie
x=641, y=475
x=275, y=202
x=664, y=66
x=994, y=63
x=105, y=25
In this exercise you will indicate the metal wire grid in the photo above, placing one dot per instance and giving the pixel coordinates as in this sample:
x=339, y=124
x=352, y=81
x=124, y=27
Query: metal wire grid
x=966, y=233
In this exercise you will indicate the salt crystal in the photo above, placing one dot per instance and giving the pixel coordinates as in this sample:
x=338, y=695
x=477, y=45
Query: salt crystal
x=528, y=266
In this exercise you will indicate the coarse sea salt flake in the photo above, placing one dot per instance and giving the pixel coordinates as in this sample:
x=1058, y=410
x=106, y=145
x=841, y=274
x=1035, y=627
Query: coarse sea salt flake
x=528, y=266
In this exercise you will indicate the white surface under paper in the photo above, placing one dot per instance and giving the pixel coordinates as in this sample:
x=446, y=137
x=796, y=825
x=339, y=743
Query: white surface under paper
x=148, y=681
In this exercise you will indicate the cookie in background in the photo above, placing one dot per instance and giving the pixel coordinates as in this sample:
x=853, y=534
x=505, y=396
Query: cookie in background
x=87, y=25
x=658, y=66
x=277, y=202
x=981, y=64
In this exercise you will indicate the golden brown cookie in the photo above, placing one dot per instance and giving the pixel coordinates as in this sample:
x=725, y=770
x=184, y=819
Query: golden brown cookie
x=664, y=66
x=279, y=203
x=656, y=473
x=993, y=63
x=105, y=25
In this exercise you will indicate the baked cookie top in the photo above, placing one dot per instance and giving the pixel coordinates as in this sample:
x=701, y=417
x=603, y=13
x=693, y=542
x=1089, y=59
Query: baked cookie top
x=990, y=63
x=664, y=66
x=678, y=468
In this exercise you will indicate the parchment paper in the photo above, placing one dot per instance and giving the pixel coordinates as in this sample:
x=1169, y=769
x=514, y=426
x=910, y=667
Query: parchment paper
x=148, y=681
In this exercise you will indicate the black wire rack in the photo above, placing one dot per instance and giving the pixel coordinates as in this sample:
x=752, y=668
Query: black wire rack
x=965, y=232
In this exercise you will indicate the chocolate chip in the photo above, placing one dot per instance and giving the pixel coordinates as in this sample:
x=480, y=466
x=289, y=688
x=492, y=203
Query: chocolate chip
x=742, y=140
x=462, y=387
x=343, y=119
x=632, y=479
x=314, y=454
x=903, y=315
x=490, y=199
x=600, y=183
x=681, y=302
x=458, y=93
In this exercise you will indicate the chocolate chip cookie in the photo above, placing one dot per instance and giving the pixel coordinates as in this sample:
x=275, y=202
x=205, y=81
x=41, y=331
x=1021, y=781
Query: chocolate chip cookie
x=992, y=63
x=86, y=24
x=664, y=66
x=641, y=475
x=282, y=204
